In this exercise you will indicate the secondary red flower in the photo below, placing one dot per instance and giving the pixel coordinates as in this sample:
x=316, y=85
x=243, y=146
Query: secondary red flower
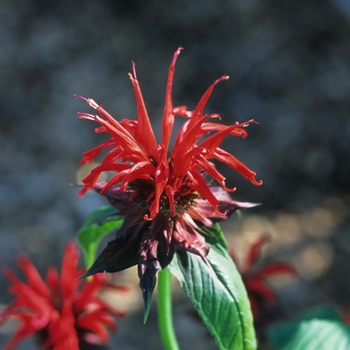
x=163, y=194
x=255, y=279
x=62, y=312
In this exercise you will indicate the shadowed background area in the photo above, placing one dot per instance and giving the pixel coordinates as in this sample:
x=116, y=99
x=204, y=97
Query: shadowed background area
x=289, y=68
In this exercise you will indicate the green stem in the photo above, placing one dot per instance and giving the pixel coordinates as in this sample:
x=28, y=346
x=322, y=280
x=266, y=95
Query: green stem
x=165, y=312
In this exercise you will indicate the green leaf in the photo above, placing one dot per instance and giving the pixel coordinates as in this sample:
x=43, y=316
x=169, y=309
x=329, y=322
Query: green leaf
x=218, y=294
x=97, y=225
x=317, y=334
x=281, y=333
x=216, y=233
x=99, y=216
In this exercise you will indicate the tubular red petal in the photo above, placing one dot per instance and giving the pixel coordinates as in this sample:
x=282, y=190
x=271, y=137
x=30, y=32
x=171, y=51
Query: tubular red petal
x=121, y=135
x=124, y=140
x=161, y=177
x=113, y=181
x=61, y=330
x=168, y=114
x=100, y=129
x=234, y=163
x=186, y=139
x=192, y=130
x=90, y=180
x=201, y=186
x=84, y=189
x=105, y=308
x=34, y=279
x=181, y=166
x=170, y=194
x=69, y=279
x=112, y=158
x=198, y=112
x=26, y=297
x=90, y=323
x=52, y=280
x=141, y=170
x=129, y=125
x=88, y=293
x=182, y=111
x=90, y=155
x=211, y=170
x=144, y=134
x=214, y=141
x=108, y=166
x=208, y=127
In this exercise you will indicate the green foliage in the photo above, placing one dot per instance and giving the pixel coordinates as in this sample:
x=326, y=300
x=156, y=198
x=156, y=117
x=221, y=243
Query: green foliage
x=319, y=334
x=217, y=292
x=320, y=328
x=97, y=225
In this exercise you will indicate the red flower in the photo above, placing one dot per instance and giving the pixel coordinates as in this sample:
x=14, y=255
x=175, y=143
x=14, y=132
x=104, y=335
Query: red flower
x=61, y=315
x=163, y=194
x=259, y=292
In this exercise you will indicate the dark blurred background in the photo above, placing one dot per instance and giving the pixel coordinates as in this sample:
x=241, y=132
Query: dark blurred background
x=289, y=68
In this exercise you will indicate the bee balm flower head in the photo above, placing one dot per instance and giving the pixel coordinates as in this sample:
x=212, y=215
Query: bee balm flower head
x=62, y=312
x=162, y=193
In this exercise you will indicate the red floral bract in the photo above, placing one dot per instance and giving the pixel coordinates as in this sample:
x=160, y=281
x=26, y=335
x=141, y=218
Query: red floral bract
x=63, y=312
x=163, y=194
